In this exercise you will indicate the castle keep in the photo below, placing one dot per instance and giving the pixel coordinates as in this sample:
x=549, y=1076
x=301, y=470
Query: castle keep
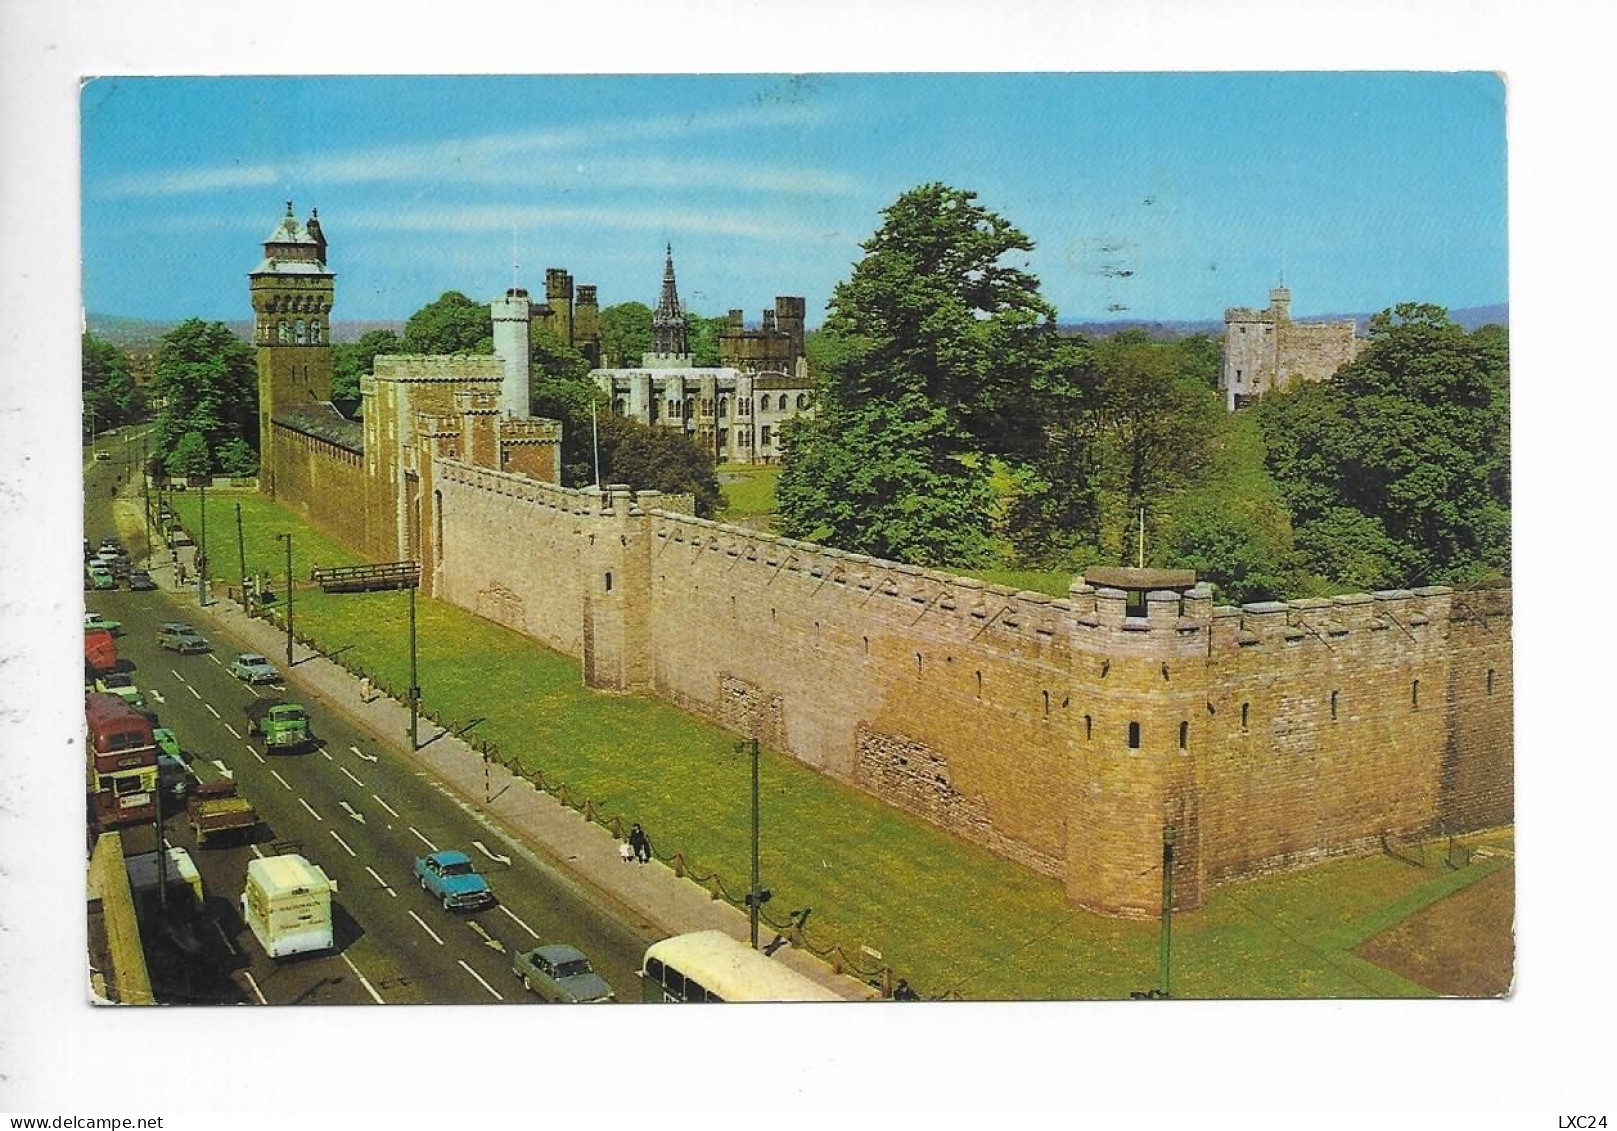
x=1062, y=733
x=1265, y=350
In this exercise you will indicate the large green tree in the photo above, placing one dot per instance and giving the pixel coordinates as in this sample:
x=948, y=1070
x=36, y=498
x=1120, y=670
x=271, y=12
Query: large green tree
x=352, y=360
x=625, y=334
x=1397, y=470
x=451, y=324
x=944, y=349
x=655, y=457
x=561, y=390
x=206, y=379
x=111, y=398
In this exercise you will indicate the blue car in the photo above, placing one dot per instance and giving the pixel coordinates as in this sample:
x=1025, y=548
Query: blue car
x=450, y=878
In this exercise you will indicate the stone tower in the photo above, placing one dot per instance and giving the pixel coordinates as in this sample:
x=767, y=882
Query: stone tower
x=511, y=345
x=669, y=348
x=292, y=294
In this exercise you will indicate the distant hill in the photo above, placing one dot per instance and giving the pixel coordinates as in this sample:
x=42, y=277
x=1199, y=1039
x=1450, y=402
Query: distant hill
x=146, y=332
x=1469, y=317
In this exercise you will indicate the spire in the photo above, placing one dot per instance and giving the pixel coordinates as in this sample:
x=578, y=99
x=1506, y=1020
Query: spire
x=668, y=320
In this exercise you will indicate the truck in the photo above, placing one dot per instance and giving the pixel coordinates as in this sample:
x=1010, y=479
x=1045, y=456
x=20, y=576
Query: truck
x=287, y=905
x=283, y=726
x=218, y=807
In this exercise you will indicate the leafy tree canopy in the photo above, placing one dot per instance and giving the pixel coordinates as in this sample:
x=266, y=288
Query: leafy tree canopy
x=452, y=324
x=654, y=457
x=352, y=360
x=1397, y=470
x=110, y=396
x=626, y=334
x=207, y=381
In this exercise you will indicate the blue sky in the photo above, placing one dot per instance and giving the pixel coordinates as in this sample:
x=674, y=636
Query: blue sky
x=1164, y=196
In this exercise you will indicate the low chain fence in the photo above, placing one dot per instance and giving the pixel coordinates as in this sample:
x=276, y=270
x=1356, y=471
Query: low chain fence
x=841, y=957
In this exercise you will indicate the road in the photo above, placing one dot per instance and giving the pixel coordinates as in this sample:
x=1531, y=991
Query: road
x=362, y=809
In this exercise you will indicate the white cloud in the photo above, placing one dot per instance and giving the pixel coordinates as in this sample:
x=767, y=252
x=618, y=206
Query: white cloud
x=503, y=219
x=498, y=159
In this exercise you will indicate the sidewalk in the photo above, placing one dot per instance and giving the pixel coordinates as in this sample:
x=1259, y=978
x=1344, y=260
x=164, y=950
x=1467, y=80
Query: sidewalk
x=585, y=853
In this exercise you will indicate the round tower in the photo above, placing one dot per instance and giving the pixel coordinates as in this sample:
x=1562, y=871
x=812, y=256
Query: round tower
x=511, y=345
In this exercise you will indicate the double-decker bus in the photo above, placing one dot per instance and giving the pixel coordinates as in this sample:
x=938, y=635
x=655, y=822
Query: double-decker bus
x=711, y=966
x=122, y=756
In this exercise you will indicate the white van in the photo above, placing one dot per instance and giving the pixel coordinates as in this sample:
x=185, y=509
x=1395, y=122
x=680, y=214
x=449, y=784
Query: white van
x=287, y=904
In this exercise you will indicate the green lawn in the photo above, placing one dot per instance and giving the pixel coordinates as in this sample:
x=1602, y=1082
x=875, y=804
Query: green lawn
x=749, y=490
x=949, y=916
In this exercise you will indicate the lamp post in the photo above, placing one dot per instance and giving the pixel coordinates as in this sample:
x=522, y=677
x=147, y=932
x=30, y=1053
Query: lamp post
x=202, y=554
x=287, y=538
x=415, y=690
x=146, y=497
x=1168, y=834
x=756, y=895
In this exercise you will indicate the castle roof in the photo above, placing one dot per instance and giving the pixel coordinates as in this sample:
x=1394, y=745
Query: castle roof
x=322, y=421
x=294, y=248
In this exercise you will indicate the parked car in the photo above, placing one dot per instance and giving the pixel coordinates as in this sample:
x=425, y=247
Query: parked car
x=449, y=877
x=97, y=576
x=101, y=457
x=112, y=681
x=181, y=638
x=94, y=620
x=250, y=667
x=140, y=579
x=559, y=972
x=174, y=777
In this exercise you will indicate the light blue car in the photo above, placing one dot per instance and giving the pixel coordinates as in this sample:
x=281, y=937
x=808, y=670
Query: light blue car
x=450, y=878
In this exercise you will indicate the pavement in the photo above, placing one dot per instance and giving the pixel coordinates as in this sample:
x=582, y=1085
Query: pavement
x=512, y=807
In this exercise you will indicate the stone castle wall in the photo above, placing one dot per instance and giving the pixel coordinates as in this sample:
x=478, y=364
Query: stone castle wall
x=1063, y=734
x=325, y=484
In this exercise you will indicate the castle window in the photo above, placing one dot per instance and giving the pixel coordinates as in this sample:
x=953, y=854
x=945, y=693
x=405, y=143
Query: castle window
x=1134, y=736
x=867, y=645
x=743, y=407
x=690, y=406
x=979, y=685
x=724, y=407
x=283, y=333
x=1333, y=705
x=917, y=663
x=617, y=406
x=1490, y=681
x=314, y=333
x=1089, y=727
x=1046, y=704
x=303, y=332
x=609, y=581
x=1414, y=693
x=1184, y=736
x=1246, y=710
x=763, y=436
x=802, y=400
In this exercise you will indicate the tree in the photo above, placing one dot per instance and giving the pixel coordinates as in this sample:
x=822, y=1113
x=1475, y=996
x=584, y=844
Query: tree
x=625, y=334
x=110, y=396
x=561, y=390
x=1397, y=470
x=943, y=349
x=352, y=360
x=549, y=356
x=189, y=456
x=654, y=457
x=207, y=381
x=702, y=336
x=236, y=458
x=452, y=324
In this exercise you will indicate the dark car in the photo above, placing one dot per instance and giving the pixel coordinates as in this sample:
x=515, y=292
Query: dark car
x=140, y=579
x=559, y=972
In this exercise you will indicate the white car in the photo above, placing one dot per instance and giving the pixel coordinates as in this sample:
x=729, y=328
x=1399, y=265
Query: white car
x=250, y=667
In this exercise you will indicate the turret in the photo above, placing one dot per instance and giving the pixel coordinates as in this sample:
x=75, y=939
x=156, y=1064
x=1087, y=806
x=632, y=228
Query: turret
x=512, y=344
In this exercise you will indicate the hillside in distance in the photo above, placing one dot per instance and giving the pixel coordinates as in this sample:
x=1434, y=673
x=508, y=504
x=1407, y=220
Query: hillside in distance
x=1469, y=317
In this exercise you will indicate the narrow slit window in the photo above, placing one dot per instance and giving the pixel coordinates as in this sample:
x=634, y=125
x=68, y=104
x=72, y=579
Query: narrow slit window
x=1414, y=693
x=1246, y=714
x=1184, y=736
x=1333, y=704
x=1134, y=736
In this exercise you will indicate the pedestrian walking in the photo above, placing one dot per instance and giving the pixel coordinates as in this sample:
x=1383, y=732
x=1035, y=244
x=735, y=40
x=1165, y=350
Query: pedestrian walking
x=626, y=852
x=365, y=689
x=640, y=843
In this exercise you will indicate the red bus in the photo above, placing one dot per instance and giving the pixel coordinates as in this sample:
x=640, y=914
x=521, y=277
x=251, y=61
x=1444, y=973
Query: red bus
x=122, y=758
x=100, y=652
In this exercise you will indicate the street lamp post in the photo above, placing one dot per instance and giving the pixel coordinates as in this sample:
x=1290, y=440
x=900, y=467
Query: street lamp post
x=287, y=538
x=415, y=690
x=756, y=895
x=202, y=553
x=146, y=498
x=1168, y=834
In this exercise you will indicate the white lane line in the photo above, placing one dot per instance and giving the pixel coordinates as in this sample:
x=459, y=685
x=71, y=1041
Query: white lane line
x=518, y=922
x=351, y=777
x=255, y=754
x=197, y=694
x=232, y=729
x=385, y=885
x=286, y=783
x=427, y=929
x=385, y=805
x=352, y=812
x=376, y=997
x=497, y=995
x=256, y=851
x=312, y=813
x=419, y=837
x=327, y=755
x=224, y=938
x=178, y=676
x=342, y=842
x=211, y=711
x=258, y=993
x=216, y=659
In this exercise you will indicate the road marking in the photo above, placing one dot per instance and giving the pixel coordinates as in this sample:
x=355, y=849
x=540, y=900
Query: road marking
x=488, y=939
x=177, y=675
x=255, y=754
x=351, y=777
x=427, y=929
x=197, y=694
x=342, y=842
x=376, y=997
x=349, y=809
x=385, y=805
x=216, y=659
x=224, y=769
x=518, y=922
x=506, y=860
x=497, y=995
x=158, y=695
x=312, y=813
x=224, y=938
x=231, y=729
x=359, y=754
x=256, y=851
x=327, y=756
x=385, y=885
x=259, y=994
x=280, y=779
x=211, y=711
x=419, y=837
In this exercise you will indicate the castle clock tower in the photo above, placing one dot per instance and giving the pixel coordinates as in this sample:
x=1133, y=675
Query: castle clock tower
x=292, y=294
